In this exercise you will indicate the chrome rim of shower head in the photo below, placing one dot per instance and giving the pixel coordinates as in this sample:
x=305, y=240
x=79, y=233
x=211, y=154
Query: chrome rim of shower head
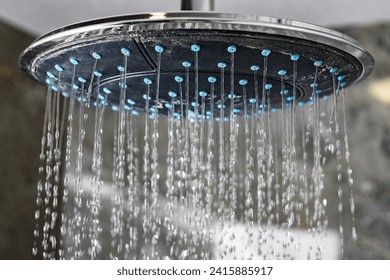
x=94, y=49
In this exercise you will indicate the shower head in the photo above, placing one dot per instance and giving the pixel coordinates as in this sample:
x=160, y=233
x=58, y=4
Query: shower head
x=188, y=66
x=167, y=52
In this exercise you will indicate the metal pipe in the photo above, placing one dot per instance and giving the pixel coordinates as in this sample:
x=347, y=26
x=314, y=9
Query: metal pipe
x=197, y=5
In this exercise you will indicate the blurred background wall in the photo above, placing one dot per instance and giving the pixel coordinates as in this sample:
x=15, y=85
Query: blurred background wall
x=368, y=108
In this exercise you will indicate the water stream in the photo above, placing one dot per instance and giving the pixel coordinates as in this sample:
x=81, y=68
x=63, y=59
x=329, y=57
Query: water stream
x=210, y=179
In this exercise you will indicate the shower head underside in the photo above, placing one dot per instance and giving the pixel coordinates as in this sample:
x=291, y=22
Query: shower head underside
x=186, y=56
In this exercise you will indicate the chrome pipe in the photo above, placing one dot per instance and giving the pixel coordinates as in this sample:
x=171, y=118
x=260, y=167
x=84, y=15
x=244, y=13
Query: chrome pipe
x=197, y=5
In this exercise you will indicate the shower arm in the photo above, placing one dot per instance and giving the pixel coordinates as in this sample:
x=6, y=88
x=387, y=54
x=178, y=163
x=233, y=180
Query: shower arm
x=197, y=5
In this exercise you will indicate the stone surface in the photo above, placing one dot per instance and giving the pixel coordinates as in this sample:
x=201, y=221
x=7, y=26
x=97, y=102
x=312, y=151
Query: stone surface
x=369, y=133
x=21, y=115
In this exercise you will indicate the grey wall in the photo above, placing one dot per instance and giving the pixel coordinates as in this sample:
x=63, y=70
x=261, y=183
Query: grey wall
x=21, y=117
x=45, y=15
x=369, y=130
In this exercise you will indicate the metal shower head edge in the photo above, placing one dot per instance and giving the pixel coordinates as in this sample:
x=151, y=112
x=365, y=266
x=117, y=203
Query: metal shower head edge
x=214, y=32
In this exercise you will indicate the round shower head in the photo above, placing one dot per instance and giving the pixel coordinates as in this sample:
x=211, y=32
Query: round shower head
x=192, y=51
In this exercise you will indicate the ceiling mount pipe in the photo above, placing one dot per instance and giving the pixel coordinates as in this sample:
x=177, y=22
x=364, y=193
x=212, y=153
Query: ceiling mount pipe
x=197, y=5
